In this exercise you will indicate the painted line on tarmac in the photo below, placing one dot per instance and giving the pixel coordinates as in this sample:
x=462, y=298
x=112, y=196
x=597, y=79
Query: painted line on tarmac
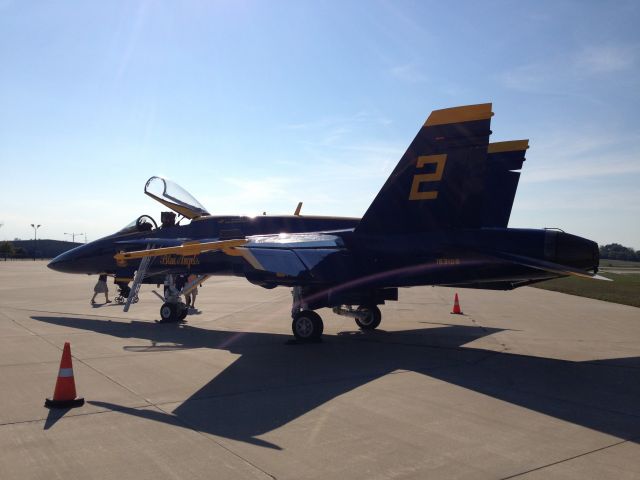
x=570, y=458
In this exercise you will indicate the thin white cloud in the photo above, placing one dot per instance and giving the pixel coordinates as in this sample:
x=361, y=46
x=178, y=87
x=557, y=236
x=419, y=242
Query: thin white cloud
x=260, y=189
x=606, y=58
x=567, y=70
x=342, y=148
x=137, y=26
x=339, y=179
x=584, y=169
x=360, y=118
x=408, y=72
x=532, y=77
x=625, y=200
x=585, y=154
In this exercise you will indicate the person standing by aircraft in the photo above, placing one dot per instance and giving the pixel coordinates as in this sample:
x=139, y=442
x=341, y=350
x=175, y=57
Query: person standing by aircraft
x=191, y=296
x=101, y=287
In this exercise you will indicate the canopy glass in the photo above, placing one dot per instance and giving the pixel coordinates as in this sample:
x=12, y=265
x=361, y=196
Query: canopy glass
x=175, y=197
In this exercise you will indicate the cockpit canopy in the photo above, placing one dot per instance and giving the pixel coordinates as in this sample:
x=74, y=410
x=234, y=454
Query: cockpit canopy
x=144, y=223
x=175, y=197
x=171, y=195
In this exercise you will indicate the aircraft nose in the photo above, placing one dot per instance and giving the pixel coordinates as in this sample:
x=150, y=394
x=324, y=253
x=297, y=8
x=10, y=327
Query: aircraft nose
x=81, y=259
x=62, y=263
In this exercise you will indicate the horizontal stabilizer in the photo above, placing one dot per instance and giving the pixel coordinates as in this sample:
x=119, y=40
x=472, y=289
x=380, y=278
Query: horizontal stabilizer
x=547, y=266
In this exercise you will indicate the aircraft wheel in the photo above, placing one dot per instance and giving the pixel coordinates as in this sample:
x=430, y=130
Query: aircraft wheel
x=307, y=326
x=183, y=312
x=168, y=312
x=371, y=319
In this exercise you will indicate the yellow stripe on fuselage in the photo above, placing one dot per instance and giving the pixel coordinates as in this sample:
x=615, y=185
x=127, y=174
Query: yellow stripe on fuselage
x=246, y=254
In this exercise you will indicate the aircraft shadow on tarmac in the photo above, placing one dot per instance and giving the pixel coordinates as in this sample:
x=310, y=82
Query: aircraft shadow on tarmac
x=271, y=384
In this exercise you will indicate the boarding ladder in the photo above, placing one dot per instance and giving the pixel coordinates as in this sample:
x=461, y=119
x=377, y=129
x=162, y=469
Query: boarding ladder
x=138, y=278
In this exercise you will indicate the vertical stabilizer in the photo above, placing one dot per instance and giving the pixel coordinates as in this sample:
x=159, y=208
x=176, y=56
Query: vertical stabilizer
x=502, y=181
x=440, y=180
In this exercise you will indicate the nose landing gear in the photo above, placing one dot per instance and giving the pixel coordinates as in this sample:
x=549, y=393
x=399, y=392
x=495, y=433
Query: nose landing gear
x=173, y=309
x=173, y=312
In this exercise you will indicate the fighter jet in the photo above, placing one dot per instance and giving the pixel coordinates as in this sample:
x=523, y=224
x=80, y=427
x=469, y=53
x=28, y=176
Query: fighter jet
x=441, y=218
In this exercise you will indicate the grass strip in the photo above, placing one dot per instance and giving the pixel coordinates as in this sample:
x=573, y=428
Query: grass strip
x=624, y=289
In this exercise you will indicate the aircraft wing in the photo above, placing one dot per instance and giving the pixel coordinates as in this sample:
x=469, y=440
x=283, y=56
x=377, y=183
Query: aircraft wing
x=289, y=255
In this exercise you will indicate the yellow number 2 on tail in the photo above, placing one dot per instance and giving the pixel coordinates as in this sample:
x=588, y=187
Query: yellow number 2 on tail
x=436, y=176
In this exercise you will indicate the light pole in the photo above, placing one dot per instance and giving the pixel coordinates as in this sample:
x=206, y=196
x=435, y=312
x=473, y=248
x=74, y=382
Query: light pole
x=73, y=236
x=35, y=239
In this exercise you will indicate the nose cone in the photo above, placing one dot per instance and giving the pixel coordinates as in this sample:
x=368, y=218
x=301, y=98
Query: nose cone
x=83, y=259
x=65, y=262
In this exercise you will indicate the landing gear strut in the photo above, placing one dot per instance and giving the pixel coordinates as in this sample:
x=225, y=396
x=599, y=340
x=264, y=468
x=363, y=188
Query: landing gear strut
x=307, y=325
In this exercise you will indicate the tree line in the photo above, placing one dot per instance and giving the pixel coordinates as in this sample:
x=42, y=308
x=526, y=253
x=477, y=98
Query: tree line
x=8, y=250
x=615, y=251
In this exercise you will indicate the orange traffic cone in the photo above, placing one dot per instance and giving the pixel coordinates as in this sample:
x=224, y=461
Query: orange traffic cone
x=64, y=395
x=456, y=306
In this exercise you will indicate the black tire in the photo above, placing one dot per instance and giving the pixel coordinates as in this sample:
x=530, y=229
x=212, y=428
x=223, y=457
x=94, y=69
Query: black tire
x=372, y=319
x=307, y=326
x=183, y=313
x=168, y=312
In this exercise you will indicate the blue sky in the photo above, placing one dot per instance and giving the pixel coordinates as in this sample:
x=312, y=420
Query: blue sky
x=253, y=106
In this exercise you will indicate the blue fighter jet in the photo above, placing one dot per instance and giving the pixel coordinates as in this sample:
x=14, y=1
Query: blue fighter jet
x=440, y=219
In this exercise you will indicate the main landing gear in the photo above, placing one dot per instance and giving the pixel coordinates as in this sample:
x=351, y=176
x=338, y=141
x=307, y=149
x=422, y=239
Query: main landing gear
x=307, y=326
x=367, y=317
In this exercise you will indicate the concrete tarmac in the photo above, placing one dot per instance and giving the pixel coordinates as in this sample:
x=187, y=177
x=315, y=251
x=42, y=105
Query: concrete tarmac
x=526, y=384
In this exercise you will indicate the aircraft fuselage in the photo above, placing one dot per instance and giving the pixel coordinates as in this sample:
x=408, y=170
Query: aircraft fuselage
x=97, y=257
